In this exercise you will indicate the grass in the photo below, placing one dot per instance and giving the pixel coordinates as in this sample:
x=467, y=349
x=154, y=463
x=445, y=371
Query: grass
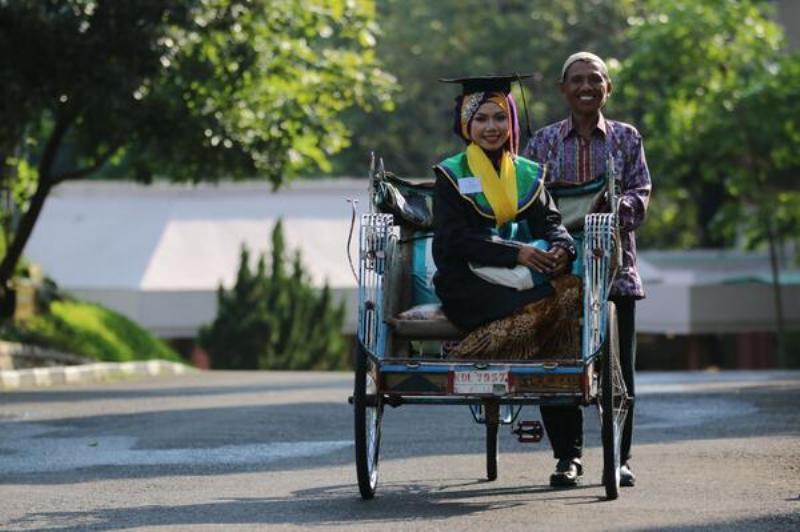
x=91, y=331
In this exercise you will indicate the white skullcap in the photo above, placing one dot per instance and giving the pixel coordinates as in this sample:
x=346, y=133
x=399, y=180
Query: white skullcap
x=583, y=56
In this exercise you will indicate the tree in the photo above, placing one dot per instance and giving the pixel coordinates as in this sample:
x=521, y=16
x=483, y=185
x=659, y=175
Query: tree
x=720, y=112
x=183, y=89
x=764, y=180
x=275, y=319
x=423, y=41
x=686, y=102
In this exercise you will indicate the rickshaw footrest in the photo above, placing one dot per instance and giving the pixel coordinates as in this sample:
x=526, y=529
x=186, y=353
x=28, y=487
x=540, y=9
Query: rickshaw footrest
x=529, y=431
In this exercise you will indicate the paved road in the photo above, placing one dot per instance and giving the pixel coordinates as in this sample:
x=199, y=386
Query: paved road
x=222, y=451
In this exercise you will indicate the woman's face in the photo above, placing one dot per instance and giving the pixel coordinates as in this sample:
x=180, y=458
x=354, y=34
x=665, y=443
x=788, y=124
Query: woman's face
x=585, y=88
x=490, y=127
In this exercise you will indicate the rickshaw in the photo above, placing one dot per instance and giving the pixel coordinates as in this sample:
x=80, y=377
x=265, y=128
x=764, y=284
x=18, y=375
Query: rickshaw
x=389, y=372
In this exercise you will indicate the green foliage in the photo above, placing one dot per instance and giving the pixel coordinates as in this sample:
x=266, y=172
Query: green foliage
x=423, y=41
x=764, y=178
x=19, y=191
x=275, y=319
x=189, y=88
x=22, y=265
x=185, y=89
x=719, y=113
x=706, y=81
x=91, y=331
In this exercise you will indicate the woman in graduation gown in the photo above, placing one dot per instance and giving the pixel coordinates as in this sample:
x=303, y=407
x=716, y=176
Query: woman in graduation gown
x=490, y=206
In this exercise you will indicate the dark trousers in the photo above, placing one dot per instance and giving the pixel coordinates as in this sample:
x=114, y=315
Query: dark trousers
x=564, y=424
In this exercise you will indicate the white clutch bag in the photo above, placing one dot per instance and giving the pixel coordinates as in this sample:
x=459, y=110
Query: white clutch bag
x=519, y=277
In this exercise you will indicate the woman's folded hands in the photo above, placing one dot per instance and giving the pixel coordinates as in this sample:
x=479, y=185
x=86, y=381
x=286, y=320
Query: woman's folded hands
x=553, y=262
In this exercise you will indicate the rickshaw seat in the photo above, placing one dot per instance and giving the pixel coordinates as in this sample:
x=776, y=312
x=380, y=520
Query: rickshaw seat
x=411, y=205
x=435, y=328
x=412, y=313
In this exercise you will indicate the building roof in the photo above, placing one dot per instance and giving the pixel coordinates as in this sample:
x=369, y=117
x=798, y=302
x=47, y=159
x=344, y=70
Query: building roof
x=714, y=266
x=181, y=237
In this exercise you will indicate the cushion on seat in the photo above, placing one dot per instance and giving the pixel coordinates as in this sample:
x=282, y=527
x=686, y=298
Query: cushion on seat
x=428, y=311
x=425, y=322
x=426, y=329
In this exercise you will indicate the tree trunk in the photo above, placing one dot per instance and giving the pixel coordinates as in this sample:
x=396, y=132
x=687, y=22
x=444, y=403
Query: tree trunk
x=28, y=221
x=776, y=286
x=21, y=236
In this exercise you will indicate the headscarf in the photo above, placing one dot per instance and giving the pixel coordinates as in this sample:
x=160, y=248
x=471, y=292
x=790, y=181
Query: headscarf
x=468, y=104
x=500, y=188
x=589, y=57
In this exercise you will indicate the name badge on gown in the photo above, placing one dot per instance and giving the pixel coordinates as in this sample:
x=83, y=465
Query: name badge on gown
x=469, y=185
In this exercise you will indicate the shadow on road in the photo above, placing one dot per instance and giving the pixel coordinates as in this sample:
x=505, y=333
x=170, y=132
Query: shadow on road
x=770, y=523
x=402, y=504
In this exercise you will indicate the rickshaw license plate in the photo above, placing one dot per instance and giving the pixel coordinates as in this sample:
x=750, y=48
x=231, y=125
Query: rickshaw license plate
x=480, y=382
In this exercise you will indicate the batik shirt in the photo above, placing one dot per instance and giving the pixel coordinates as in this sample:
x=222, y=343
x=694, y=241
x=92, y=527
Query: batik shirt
x=572, y=159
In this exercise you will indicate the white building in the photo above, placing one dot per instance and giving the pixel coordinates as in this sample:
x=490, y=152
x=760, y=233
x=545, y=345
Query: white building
x=158, y=253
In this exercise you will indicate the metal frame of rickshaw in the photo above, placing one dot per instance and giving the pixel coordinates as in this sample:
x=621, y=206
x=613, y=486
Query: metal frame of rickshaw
x=595, y=378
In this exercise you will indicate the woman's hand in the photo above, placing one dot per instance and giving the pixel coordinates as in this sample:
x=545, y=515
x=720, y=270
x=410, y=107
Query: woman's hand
x=554, y=262
x=561, y=258
x=535, y=258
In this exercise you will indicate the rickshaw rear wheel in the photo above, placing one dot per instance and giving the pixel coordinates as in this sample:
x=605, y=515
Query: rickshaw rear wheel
x=613, y=406
x=368, y=415
x=492, y=410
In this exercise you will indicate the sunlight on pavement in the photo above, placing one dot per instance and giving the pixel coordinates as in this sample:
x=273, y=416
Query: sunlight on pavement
x=27, y=450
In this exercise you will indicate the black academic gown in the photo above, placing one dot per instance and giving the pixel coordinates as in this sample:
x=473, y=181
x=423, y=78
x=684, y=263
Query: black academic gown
x=462, y=235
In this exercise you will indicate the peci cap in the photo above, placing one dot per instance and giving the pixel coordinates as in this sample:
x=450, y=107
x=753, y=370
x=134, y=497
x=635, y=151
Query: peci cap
x=489, y=83
x=588, y=57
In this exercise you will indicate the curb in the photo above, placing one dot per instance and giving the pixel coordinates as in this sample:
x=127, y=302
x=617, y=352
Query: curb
x=88, y=373
x=34, y=356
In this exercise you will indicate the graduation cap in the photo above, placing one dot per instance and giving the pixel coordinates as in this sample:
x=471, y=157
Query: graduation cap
x=493, y=83
x=489, y=83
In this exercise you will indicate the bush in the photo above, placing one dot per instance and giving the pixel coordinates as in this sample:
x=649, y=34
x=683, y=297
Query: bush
x=91, y=331
x=276, y=320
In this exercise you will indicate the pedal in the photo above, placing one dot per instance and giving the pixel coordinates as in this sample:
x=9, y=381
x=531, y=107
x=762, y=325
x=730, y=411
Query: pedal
x=529, y=431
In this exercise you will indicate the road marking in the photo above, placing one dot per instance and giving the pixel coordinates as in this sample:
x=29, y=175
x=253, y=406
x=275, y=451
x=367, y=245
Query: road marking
x=24, y=449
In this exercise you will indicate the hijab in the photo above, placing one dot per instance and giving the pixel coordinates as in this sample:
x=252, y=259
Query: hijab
x=500, y=188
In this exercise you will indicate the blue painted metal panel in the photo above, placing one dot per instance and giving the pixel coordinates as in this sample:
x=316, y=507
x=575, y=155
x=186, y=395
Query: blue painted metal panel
x=515, y=370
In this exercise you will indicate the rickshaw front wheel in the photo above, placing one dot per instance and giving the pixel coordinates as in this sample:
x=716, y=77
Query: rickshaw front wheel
x=368, y=414
x=613, y=405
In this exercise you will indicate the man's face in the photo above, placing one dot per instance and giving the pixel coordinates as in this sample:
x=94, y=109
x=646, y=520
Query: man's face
x=585, y=88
